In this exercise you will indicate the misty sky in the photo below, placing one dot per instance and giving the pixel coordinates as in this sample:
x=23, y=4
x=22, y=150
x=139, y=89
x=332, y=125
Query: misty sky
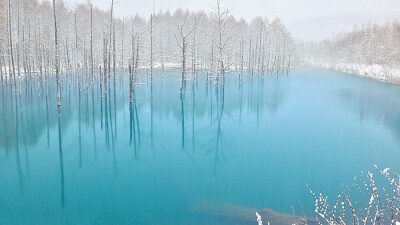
x=306, y=19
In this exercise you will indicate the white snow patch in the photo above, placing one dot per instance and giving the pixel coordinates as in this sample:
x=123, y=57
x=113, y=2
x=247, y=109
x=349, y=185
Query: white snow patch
x=375, y=71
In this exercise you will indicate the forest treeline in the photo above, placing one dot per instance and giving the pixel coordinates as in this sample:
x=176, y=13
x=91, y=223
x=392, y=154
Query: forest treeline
x=368, y=45
x=96, y=43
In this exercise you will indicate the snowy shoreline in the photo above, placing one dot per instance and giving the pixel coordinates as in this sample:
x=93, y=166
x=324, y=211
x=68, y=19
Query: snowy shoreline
x=377, y=72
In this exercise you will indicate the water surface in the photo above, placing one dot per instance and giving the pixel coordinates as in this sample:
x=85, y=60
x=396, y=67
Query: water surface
x=164, y=158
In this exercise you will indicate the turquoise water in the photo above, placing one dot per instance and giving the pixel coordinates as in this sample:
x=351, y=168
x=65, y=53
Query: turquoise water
x=171, y=160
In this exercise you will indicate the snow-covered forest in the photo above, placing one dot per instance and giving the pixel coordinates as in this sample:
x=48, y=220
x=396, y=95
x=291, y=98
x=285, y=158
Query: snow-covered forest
x=93, y=41
x=371, y=50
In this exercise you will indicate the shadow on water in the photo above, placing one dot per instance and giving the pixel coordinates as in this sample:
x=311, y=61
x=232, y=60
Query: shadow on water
x=134, y=128
x=94, y=125
x=197, y=132
x=61, y=158
x=80, y=131
x=17, y=141
x=206, y=102
x=216, y=143
x=181, y=97
x=381, y=105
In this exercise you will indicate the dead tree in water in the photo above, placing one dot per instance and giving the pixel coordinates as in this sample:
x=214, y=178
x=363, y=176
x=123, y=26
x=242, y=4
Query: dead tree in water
x=194, y=55
x=218, y=42
x=1, y=65
x=260, y=48
x=114, y=50
x=56, y=54
x=122, y=45
x=136, y=61
x=106, y=71
x=18, y=51
x=151, y=49
x=76, y=45
x=182, y=43
x=91, y=45
x=12, y=73
x=130, y=83
x=100, y=82
x=222, y=28
x=131, y=67
x=110, y=41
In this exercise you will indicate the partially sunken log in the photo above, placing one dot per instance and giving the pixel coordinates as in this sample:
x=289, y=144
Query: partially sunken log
x=222, y=213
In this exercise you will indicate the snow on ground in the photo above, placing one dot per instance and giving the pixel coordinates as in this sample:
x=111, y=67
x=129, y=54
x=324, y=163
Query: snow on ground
x=379, y=72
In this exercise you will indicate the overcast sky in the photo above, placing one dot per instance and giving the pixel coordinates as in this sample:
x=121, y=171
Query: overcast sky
x=306, y=19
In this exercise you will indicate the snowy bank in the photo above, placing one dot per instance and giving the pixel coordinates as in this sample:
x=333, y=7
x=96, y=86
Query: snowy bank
x=378, y=72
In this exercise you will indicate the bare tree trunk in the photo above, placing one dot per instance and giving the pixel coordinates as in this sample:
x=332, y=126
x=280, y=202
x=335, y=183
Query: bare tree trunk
x=260, y=49
x=132, y=59
x=212, y=56
x=25, y=60
x=85, y=62
x=242, y=56
x=56, y=54
x=91, y=45
x=183, y=48
x=122, y=44
x=109, y=50
x=249, y=65
x=114, y=51
x=151, y=49
x=101, y=83
x=18, y=51
x=12, y=69
x=130, y=83
x=76, y=31
x=136, y=60
x=222, y=17
x=1, y=65
x=183, y=63
x=194, y=50
x=106, y=71
x=76, y=46
x=162, y=56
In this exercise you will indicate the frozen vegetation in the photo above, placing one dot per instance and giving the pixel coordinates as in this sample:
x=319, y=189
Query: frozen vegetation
x=366, y=202
x=372, y=51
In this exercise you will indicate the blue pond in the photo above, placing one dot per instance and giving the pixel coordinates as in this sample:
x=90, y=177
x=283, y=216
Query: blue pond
x=166, y=159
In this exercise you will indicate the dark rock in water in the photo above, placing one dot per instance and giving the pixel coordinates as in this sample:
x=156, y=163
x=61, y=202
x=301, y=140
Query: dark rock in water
x=221, y=214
